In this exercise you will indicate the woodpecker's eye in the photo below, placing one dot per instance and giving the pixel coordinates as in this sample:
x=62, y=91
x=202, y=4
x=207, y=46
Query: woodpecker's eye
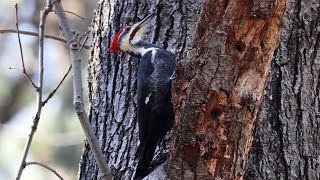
x=127, y=29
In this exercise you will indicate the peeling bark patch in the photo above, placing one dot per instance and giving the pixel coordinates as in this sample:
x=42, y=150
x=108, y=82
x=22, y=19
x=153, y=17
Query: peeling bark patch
x=218, y=113
x=217, y=104
x=191, y=155
x=212, y=15
x=242, y=40
x=262, y=9
x=211, y=166
x=248, y=86
x=216, y=149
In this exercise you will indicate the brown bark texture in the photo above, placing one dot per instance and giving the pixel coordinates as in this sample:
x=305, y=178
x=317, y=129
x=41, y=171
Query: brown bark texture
x=112, y=77
x=287, y=136
x=219, y=89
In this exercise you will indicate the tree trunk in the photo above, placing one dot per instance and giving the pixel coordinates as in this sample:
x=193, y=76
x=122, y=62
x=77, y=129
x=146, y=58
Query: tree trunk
x=287, y=136
x=112, y=77
x=218, y=92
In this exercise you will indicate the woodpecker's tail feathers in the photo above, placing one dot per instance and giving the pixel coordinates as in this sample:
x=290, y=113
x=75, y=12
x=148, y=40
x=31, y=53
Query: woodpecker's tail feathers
x=146, y=156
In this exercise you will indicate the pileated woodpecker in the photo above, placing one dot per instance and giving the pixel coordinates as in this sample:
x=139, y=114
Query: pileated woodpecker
x=155, y=74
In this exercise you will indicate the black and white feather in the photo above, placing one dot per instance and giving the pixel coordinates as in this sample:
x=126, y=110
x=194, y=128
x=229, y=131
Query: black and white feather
x=155, y=74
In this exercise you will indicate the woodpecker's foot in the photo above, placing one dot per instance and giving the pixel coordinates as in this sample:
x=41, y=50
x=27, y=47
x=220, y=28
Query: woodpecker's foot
x=138, y=152
x=172, y=77
x=141, y=174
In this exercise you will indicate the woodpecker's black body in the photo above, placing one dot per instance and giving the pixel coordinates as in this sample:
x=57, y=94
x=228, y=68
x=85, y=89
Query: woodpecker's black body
x=155, y=110
x=154, y=107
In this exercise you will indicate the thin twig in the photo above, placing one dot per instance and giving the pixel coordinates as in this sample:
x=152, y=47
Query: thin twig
x=75, y=14
x=75, y=56
x=85, y=40
x=25, y=74
x=14, y=68
x=21, y=52
x=4, y=31
x=43, y=16
x=84, y=35
x=55, y=90
x=46, y=167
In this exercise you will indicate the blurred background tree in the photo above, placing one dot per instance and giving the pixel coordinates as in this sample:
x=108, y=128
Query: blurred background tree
x=59, y=138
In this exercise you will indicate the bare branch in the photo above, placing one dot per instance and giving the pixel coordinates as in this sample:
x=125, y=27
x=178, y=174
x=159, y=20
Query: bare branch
x=4, y=31
x=21, y=52
x=14, y=68
x=25, y=74
x=75, y=14
x=85, y=39
x=84, y=35
x=43, y=16
x=46, y=167
x=74, y=46
x=55, y=90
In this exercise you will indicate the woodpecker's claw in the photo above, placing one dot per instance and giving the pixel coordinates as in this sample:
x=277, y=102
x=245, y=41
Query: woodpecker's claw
x=172, y=77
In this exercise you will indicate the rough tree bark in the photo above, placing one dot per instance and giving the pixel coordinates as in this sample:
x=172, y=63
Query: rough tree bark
x=112, y=77
x=219, y=88
x=287, y=135
x=218, y=91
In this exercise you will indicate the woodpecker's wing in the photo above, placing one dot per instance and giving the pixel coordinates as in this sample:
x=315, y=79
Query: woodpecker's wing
x=155, y=74
x=154, y=90
x=155, y=111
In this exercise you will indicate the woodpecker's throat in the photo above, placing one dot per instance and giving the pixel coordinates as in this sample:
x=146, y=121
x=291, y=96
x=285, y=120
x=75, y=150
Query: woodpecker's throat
x=139, y=48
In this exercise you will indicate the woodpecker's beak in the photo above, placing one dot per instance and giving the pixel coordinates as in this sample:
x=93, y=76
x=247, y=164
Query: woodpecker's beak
x=139, y=28
x=145, y=21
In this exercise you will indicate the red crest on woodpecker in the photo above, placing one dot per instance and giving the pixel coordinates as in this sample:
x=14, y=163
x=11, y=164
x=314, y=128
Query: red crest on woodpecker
x=115, y=45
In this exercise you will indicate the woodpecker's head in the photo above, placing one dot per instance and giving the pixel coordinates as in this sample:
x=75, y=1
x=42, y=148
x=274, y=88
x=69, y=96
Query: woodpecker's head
x=129, y=35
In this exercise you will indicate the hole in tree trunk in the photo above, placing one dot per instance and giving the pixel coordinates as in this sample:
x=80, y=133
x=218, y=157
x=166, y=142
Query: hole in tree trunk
x=215, y=113
x=240, y=46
